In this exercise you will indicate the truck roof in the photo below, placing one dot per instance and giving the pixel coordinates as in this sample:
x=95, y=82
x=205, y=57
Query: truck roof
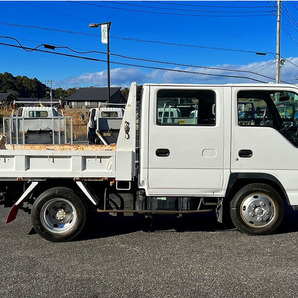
x=103, y=108
x=226, y=85
x=38, y=108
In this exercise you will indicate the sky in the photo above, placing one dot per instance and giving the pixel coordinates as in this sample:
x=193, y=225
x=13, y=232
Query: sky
x=201, y=42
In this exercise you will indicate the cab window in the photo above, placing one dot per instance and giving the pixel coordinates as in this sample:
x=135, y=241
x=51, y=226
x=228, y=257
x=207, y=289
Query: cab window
x=185, y=108
x=112, y=114
x=276, y=109
x=38, y=114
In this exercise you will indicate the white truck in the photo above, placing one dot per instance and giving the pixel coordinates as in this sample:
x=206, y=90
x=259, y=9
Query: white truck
x=37, y=125
x=243, y=170
x=104, y=124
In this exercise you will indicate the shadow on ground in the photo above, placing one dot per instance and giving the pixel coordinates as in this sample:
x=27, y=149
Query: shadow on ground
x=104, y=225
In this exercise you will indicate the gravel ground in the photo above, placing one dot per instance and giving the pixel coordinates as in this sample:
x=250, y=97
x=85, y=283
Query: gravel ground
x=167, y=257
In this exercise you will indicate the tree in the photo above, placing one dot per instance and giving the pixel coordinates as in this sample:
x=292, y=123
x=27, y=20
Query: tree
x=7, y=82
x=22, y=86
x=125, y=92
x=62, y=93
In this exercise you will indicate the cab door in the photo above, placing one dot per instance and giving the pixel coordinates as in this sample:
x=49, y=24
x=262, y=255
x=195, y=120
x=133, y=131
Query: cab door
x=267, y=143
x=185, y=140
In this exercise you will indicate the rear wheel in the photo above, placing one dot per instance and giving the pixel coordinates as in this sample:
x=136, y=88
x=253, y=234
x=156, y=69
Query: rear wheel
x=58, y=214
x=257, y=209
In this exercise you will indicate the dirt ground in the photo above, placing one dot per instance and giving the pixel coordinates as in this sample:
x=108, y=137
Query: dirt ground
x=79, y=125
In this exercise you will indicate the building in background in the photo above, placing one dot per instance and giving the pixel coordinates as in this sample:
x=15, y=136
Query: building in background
x=6, y=100
x=91, y=97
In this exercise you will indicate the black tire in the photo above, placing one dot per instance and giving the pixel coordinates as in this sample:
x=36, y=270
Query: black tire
x=257, y=209
x=58, y=214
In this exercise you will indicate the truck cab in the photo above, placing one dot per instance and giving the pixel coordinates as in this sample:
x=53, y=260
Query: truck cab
x=226, y=153
x=37, y=112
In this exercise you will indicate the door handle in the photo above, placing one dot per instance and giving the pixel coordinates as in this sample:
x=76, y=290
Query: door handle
x=162, y=152
x=245, y=153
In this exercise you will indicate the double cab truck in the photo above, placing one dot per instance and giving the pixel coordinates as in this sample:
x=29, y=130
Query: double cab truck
x=208, y=158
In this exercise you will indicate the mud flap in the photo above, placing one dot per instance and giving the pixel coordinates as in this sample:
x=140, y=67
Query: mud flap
x=14, y=210
x=219, y=211
x=12, y=214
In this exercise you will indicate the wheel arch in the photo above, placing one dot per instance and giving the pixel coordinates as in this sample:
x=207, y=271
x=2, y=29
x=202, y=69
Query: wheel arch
x=239, y=180
x=38, y=187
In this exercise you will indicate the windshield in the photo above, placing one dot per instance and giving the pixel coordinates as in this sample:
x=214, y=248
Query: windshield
x=286, y=104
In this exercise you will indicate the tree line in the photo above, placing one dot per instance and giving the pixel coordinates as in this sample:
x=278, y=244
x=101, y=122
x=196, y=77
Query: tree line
x=22, y=86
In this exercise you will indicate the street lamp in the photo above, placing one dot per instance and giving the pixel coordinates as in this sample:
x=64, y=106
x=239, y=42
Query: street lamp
x=105, y=38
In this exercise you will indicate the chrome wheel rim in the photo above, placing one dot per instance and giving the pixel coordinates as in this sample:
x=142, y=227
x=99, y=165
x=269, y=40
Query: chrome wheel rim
x=258, y=210
x=58, y=215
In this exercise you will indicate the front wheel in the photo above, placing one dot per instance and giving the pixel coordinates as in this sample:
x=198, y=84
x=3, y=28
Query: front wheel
x=257, y=209
x=58, y=214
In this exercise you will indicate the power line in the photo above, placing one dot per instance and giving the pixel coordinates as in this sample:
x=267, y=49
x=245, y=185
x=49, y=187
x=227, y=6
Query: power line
x=291, y=25
x=55, y=11
x=143, y=59
x=138, y=40
x=289, y=33
x=48, y=29
x=289, y=75
x=193, y=66
x=290, y=15
x=289, y=18
x=167, y=62
x=135, y=65
x=290, y=22
x=284, y=28
x=271, y=63
x=262, y=65
x=191, y=46
x=167, y=13
x=24, y=48
x=273, y=9
x=203, y=5
x=294, y=4
x=187, y=10
x=164, y=3
x=291, y=62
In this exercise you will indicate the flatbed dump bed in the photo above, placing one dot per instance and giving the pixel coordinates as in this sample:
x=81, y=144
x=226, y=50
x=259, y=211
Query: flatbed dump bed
x=36, y=162
x=65, y=147
x=45, y=161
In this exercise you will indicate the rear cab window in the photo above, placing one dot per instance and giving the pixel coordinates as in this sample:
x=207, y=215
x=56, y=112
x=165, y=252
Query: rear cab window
x=186, y=108
x=109, y=114
x=38, y=114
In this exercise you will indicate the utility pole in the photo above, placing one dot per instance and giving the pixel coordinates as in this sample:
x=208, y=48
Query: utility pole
x=278, y=66
x=51, y=90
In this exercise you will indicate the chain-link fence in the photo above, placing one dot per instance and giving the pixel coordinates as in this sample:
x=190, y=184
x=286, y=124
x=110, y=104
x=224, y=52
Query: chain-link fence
x=54, y=130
